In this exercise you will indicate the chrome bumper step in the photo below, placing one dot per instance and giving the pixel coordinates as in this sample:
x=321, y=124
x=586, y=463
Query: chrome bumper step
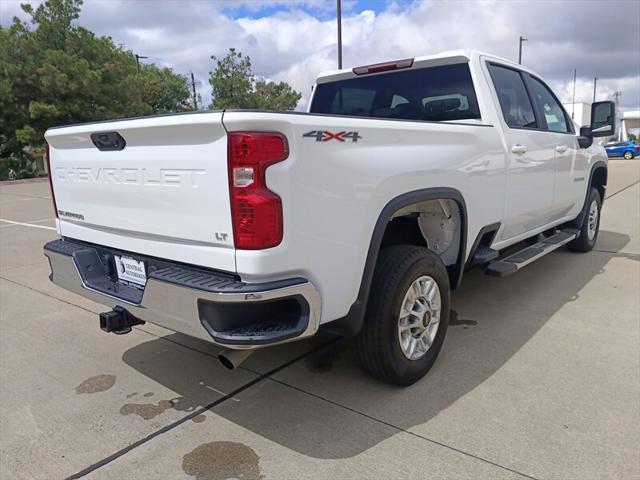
x=207, y=304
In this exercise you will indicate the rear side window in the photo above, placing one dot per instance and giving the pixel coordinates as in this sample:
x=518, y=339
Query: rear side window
x=512, y=95
x=433, y=94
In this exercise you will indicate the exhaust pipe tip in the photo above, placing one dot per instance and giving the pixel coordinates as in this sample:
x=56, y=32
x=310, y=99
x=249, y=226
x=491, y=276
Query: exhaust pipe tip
x=232, y=359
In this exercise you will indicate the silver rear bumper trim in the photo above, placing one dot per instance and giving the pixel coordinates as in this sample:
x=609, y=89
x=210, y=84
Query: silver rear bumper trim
x=175, y=307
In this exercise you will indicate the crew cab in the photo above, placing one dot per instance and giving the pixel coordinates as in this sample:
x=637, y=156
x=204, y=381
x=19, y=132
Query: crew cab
x=253, y=228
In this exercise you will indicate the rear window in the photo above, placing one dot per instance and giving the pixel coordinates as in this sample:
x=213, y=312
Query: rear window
x=432, y=94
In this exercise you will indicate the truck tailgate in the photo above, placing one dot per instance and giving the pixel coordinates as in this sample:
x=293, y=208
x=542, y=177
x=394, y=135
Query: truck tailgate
x=165, y=194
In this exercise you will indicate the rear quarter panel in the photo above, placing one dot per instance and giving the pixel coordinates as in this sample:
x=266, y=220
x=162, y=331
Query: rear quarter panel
x=333, y=192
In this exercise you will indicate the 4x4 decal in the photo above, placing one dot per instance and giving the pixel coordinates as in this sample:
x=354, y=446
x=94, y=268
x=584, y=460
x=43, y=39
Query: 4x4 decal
x=325, y=136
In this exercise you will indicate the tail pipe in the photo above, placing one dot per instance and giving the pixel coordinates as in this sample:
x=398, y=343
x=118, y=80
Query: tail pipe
x=233, y=358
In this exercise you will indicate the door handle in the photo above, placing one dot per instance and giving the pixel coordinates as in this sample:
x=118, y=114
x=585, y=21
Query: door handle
x=519, y=149
x=561, y=148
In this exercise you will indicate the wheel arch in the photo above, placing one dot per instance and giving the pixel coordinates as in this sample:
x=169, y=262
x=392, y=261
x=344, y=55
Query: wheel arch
x=353, y=321
x=598, y=177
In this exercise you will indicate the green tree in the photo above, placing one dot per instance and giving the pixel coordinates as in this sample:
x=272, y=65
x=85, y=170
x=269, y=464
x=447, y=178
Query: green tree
x=275, y=96
x=235, y=86
x=232, y=81
x=53, y=72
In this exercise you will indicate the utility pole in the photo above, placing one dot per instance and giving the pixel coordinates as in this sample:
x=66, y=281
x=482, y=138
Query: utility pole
x=616, y=95
x=522, y=39
x=622, y=132
x=193, y=88
x=138, y=57
x=573, y=102
x=595, y=82
x=339, y=6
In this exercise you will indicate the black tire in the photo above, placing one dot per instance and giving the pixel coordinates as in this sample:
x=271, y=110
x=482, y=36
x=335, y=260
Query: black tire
x=628, y=155
x=378, y=344
x=583, y=242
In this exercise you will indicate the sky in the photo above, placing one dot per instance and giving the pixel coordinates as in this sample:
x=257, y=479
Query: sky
x=294, y=40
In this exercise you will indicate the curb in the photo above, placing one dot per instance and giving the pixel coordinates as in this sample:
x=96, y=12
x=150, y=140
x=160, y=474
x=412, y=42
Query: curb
x=24, y=180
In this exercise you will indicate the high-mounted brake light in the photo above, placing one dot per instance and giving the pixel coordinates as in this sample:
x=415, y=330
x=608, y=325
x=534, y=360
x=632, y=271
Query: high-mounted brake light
x=47, y=156
x=383, y=67
x=256, y=211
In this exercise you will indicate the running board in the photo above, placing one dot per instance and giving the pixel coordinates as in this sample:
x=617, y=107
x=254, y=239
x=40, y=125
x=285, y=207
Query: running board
x=484, y=254
x=516, y=261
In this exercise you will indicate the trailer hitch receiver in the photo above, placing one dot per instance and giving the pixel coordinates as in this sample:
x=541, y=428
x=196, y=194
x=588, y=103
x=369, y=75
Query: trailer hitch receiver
x=118, y=321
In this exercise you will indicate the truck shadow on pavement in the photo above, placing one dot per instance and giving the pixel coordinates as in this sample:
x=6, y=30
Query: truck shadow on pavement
x=325, y=407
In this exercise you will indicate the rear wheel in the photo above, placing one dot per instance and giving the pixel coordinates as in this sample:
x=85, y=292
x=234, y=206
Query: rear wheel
x=628, y=155
x=588, y=235
x=407, y=315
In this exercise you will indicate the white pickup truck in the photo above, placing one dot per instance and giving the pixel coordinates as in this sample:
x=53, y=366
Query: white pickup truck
x=253, y=228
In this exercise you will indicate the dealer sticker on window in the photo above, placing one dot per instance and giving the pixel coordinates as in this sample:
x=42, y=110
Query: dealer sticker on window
x=130, y=270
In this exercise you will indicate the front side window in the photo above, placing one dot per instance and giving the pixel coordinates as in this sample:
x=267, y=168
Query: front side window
x=514, y=101
x=549, y=107
x=433, y=94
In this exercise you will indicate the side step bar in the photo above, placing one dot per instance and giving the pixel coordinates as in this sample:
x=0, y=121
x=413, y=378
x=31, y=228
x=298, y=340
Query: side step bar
x=514, y=262
x=484, y=254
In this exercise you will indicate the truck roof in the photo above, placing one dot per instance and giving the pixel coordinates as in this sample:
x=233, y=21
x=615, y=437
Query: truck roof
x=443, y=58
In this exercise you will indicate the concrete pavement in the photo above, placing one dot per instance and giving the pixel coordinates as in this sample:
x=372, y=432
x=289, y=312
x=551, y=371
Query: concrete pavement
x=539, y=378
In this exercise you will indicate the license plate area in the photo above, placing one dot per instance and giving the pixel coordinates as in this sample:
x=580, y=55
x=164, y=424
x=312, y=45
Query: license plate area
x=130, y=271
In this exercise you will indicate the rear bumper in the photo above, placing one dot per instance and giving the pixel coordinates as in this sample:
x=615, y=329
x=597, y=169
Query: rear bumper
x=214, y=306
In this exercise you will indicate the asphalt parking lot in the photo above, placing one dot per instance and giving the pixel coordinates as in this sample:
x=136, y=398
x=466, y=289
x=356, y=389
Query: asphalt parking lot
x=539, y=378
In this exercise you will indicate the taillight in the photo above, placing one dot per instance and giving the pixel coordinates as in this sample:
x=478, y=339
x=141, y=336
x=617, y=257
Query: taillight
x=50, y=174
x=256, y=211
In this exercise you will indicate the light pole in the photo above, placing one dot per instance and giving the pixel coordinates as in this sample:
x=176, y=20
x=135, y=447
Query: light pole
x=339, y=6
x=595, y=83
x=522, y=39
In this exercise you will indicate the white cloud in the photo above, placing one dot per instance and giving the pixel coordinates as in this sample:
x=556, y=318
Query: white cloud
x=297, y=39
x=605, y=89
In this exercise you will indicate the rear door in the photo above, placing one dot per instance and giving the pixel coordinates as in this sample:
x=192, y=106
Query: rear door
x=531, y=152
x=163, y=193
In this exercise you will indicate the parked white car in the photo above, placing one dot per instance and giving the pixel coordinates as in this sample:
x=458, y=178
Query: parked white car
x=253, y=228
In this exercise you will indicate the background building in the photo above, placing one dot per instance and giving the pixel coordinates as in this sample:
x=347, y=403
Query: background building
x=628, y=121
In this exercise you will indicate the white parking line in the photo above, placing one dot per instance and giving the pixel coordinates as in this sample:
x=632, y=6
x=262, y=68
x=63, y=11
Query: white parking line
x=219, y=391
x=22, y=224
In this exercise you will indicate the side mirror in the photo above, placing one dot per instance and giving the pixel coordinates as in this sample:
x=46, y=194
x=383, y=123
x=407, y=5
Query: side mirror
x=603, y=119
x=585, y=140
